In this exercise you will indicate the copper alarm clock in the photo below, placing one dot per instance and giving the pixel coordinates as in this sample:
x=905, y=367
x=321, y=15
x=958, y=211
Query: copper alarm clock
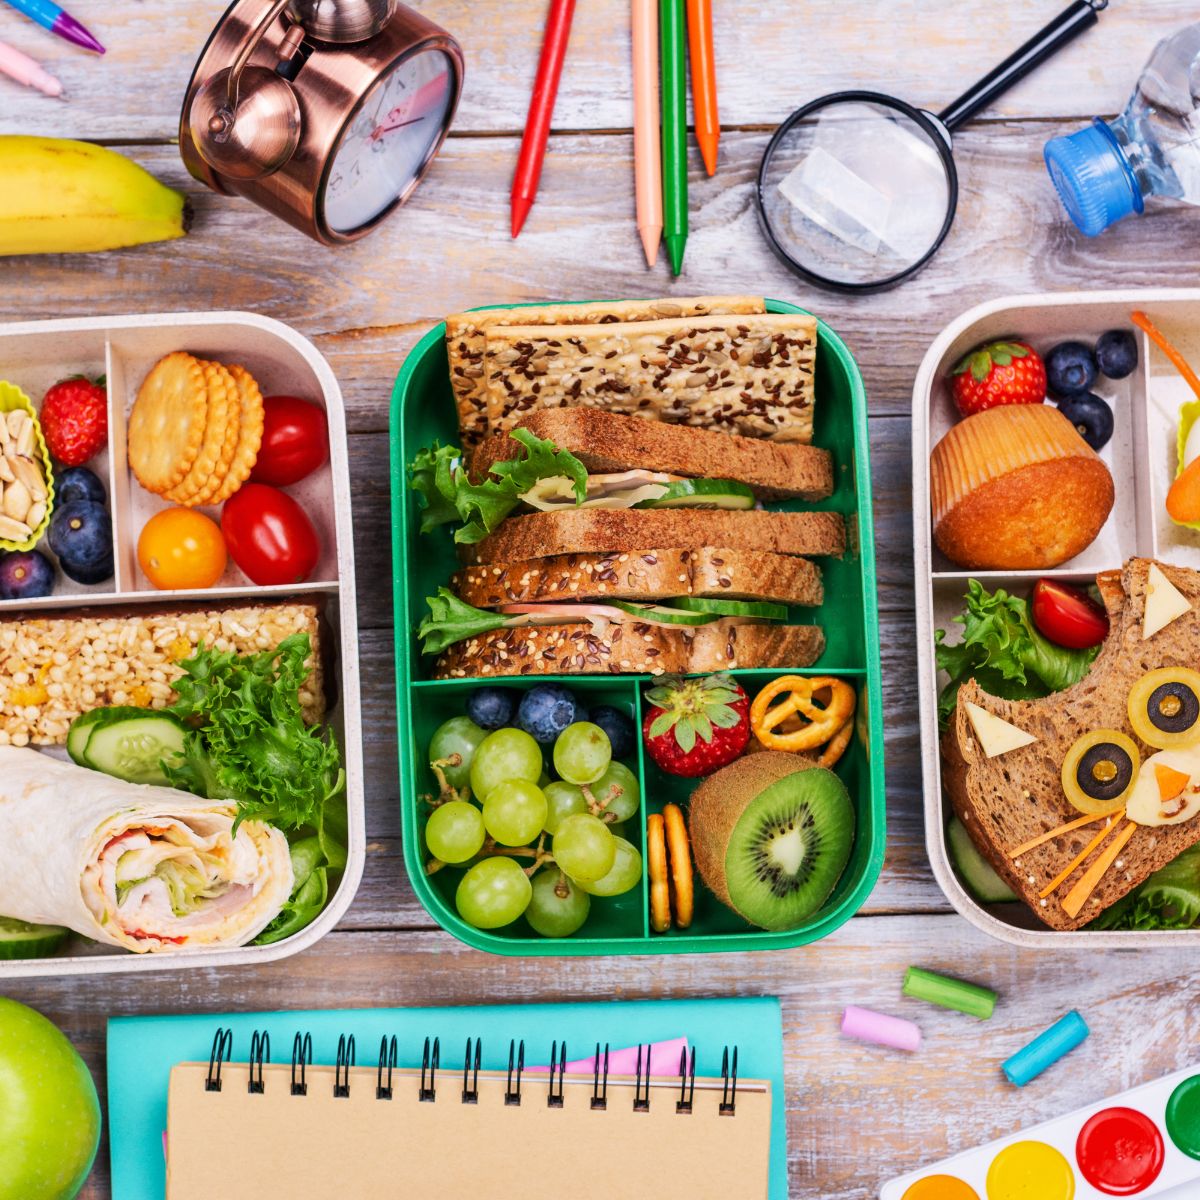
x=326, y=113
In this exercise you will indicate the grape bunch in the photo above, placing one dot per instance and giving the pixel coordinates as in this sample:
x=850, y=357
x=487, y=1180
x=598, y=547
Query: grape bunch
x=531, y=844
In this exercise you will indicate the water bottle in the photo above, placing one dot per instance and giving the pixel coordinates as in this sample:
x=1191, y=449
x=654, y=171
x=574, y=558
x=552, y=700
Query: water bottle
x=1107, y=171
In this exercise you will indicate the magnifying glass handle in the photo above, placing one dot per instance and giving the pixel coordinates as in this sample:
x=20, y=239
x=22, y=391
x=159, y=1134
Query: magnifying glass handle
x=1072, y=21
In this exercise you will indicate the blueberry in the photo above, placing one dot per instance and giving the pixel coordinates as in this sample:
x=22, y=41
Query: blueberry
x=546, y=710
x=81, y=535
x=490, y=707
x=1070, y=369
x=25, y=574
x=77, y=483
x=619, y=728
x=1091, y=416
x=1116, y=353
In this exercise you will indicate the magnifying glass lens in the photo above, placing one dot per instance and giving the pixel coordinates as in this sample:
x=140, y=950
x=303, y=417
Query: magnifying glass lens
x=857, y=192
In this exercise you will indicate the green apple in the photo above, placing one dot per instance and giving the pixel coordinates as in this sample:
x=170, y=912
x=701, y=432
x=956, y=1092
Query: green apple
x=49, y=1111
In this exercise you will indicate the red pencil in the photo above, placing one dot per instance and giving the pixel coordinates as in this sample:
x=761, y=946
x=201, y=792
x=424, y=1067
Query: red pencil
x=541, y=108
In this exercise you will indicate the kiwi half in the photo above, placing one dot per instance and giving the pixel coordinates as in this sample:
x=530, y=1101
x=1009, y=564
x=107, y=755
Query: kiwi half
x=771, y=834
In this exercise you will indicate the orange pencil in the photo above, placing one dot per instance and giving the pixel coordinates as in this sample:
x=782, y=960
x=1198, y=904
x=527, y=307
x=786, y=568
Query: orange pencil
x=704, y=80
x=647, y=166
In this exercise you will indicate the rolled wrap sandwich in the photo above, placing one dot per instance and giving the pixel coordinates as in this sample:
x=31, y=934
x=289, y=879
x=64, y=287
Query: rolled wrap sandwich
x=146, y=868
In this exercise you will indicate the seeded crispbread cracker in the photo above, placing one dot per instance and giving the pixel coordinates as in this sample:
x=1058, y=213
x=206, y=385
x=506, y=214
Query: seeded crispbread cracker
x=750, y=375
x=465, y=335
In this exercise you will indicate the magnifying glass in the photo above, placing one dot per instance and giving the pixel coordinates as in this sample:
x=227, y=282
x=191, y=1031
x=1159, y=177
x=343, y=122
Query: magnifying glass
x=857, y=190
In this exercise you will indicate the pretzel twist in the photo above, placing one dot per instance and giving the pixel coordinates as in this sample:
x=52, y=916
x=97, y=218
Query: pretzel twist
x=827, y=720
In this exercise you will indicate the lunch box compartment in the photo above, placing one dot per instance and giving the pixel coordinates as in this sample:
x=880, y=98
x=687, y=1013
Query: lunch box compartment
x=36, y=355
x=1142, y=458
x=422, y=412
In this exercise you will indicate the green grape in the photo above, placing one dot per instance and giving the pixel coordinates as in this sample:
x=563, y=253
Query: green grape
x=459, y=735
x=618, y=777
x=582, y=752
x=625, y=873
x=515, y=811
x=557, y=907
x=502, y=755
x=562, y=799
x=584, y=848
x=492, y=893
x=454, y=832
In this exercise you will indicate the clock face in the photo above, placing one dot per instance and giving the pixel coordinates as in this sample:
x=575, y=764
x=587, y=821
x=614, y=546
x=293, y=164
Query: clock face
x=384, y=148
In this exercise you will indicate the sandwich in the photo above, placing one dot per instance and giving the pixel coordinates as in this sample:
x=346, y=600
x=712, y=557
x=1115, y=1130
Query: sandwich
x=595, y=542
x=1076, y=798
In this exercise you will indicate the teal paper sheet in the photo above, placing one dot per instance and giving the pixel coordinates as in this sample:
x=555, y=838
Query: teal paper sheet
x=142, y=1051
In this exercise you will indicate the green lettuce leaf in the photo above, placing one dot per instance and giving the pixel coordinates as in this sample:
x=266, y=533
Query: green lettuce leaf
x=1003, y=652
x=310, y=892
x=447, y=494
x=451, y=619
x=1168, y=899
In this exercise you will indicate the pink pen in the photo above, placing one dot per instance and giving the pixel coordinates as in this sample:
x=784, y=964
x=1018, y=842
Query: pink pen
x=19, y=66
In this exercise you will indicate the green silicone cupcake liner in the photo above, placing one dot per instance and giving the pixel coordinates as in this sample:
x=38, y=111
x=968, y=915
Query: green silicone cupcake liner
x=11, y=398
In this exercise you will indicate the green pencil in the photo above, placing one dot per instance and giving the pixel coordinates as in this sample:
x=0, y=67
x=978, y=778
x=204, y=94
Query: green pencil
x=673, y=46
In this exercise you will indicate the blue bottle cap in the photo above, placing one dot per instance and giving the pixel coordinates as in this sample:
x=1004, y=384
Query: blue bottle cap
x=1094, y=179
x=1045, y=1049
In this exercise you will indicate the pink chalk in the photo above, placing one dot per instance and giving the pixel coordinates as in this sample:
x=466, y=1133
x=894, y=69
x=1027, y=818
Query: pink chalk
x=664, y=1060
x=868, y=1026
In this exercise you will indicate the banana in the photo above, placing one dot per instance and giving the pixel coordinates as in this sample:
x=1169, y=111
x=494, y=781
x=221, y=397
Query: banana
x=63, y=197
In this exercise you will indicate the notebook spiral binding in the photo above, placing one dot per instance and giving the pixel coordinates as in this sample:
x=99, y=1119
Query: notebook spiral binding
x=302, y=1058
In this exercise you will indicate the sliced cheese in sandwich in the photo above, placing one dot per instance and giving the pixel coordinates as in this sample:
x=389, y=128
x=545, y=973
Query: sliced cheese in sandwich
x=1164, y=602
x=996, y=735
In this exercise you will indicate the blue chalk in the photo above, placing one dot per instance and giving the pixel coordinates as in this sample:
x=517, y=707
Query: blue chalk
x=1046, y=1049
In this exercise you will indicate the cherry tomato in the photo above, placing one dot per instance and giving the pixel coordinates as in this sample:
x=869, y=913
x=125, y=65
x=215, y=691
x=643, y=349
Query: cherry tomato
x=295, y=441
x=269, y=535
x=181, y=548
x=1067, y=616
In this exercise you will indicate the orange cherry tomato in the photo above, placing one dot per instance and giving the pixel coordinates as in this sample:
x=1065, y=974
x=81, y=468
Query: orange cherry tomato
x=181, y=548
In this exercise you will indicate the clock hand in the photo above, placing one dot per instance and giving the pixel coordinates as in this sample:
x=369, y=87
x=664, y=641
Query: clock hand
x=378, y=132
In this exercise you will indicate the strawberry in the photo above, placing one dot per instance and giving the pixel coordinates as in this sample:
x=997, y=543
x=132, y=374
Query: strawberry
x=74, y=420
x=998, y=373
x=694, y=726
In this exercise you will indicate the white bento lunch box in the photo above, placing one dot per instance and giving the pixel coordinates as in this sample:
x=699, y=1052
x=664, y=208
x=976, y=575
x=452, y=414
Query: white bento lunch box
x=33, y=355
x=1141, y=456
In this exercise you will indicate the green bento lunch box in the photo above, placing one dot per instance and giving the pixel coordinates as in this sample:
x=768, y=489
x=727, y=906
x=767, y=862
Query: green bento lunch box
x=423, y=410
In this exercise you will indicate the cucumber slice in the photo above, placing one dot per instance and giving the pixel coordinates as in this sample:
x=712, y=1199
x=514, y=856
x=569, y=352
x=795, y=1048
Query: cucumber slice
x=133, y=748
x=703, y=493
x=19, y=939
x=976, y=872
x=660, y=612
x=84, y=725
x=753, y=610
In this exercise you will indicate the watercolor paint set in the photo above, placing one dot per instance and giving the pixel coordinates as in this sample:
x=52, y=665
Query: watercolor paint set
x=1143, y=1142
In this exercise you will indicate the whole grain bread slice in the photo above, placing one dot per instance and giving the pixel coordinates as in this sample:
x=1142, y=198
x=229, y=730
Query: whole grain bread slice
x=610, y=442
x=1005, y=801
x=604, y=530
x=466, y=333
x=633, y=647
x=650, y=575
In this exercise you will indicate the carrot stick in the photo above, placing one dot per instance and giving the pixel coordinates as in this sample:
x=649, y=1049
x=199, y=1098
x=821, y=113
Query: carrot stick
x=1033, y=843
x=1077, y=896
x=1180, y=363
x=1083, y=854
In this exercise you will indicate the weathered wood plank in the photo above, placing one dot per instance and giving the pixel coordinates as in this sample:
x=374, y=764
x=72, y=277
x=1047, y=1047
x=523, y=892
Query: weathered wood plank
x=367, y=304
x=923, y=52
x=856, y=1114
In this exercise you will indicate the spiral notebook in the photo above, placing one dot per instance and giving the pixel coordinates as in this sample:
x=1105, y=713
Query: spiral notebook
x=314, y=1104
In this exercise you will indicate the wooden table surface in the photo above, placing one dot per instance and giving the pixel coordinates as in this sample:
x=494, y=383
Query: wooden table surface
x=856, y=1114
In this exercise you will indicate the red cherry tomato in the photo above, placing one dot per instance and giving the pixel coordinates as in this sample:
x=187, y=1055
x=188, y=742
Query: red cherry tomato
x=295, y=441
x=1067, y=616
x=269, y=536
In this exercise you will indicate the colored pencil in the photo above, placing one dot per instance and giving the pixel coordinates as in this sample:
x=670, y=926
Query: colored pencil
x=704, y=80
x=541, y=109
x=19, y=66
x=49, y=16
x=647, y=150
x=672, y=36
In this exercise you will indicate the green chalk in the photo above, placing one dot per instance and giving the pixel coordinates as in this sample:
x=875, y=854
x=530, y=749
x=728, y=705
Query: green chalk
x=964, y=997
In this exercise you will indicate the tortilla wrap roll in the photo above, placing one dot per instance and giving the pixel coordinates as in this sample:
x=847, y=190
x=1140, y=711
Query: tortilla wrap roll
x=145, y=868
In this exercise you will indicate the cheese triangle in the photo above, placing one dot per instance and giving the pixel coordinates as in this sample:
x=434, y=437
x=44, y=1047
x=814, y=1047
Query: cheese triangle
x=996, y=735
x=1164, y=602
